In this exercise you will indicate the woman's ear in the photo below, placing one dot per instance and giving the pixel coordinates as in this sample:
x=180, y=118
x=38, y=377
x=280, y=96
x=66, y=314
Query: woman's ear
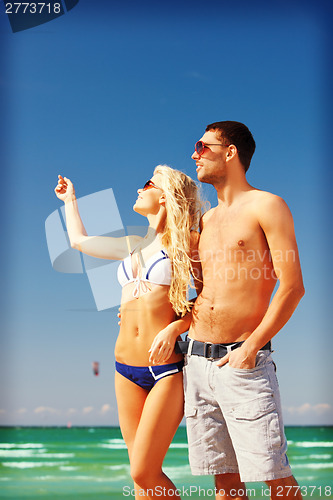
x=162, y=199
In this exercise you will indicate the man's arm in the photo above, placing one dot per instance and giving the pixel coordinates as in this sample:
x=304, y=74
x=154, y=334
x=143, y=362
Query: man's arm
x=277, y=224
x=164, y=343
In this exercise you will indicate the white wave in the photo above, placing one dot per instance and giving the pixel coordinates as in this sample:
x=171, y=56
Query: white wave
x=125, y=467
x=95, y=479
x=68, y=468
x=114, y=441
x=305, y=479
x=83, y=478
x=314, y=466
x=109, y=479
x=10, y=453
x=313, y=457
x=313, y=444
x=178, y=472
x=55, y=455
x=120, y=446
x=91, y=479
x=7, y=446
x=32, y=465
x=40, y=453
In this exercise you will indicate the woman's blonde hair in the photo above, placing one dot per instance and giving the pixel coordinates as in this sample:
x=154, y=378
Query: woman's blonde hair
x=183, y=212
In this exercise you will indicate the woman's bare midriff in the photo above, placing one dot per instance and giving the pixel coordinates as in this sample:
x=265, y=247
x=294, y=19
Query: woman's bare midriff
x=142, y=319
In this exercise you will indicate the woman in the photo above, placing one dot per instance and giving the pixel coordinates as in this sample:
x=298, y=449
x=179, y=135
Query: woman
x=155, y=273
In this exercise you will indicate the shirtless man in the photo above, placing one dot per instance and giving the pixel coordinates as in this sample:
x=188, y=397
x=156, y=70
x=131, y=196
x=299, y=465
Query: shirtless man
x=247, y=243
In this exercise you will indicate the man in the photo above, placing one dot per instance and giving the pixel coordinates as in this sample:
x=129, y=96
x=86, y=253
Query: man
x=232, y=403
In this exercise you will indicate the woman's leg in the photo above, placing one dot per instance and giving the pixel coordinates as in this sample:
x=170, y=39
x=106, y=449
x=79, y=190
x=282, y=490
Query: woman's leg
x=161, y=415
x=130, y=400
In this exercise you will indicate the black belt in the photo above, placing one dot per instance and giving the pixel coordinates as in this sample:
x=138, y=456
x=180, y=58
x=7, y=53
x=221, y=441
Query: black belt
x=208, y=350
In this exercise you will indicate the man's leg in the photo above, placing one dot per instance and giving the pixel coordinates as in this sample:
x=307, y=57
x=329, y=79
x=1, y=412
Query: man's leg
x=284, y=489
x=252, y=410
x=210, y=447
x=230, y=486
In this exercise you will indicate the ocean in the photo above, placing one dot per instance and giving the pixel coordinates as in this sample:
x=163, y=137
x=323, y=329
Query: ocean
x=92, y=463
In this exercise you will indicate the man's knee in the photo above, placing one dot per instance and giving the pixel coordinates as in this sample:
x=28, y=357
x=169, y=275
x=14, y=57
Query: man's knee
x=285, y=487
x=228, y=481
x=283, y=481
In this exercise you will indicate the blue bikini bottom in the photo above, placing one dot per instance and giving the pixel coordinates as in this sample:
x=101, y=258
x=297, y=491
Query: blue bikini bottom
x=147, y=376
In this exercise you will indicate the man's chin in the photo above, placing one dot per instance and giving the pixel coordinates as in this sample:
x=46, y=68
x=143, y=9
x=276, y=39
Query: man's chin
x=202, y=178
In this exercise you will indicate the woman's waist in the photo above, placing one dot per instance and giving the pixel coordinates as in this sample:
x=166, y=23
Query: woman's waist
x=139, y=319
x=136, y=335
x=133, y=349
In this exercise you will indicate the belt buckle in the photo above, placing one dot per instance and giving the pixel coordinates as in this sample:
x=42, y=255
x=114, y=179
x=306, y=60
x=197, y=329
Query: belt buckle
x=208, y=351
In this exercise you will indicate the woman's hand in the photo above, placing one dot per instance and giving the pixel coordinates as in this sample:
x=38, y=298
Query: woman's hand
x=64, y=189
x=163, y=345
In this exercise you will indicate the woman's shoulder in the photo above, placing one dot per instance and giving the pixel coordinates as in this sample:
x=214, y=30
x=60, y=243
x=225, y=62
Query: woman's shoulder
x=134, y=242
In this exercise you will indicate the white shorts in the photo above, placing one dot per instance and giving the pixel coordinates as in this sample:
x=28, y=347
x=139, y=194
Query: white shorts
x=234, y=421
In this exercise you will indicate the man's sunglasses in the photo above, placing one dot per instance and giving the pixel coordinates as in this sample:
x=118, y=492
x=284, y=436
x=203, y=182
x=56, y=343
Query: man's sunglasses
x=149, y=184
x=200, y=146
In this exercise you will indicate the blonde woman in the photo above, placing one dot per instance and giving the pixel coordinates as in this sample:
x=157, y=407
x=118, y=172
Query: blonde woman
x=155, y=275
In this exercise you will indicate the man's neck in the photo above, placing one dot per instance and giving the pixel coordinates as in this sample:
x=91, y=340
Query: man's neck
x=229, y=192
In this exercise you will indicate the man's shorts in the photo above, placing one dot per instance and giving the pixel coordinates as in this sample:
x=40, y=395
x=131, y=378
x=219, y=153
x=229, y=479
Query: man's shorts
x=234, y=421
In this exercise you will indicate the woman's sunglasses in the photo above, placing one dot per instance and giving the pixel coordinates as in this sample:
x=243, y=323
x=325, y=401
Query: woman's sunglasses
x=200, y=146
x=149, y=184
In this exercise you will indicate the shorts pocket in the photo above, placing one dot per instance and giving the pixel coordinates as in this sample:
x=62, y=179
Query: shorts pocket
x=245, y=370
x=255, y=409
x=190, y=411
x=262, y=358
x=259, y=421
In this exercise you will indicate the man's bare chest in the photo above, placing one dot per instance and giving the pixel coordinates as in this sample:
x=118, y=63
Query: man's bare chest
x=235, y=236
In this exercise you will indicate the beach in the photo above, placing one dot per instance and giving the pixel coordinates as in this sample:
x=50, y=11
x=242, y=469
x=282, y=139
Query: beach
x=92, y=463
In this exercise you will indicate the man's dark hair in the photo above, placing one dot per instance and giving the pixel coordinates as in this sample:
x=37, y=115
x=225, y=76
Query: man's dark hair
x=238, y=134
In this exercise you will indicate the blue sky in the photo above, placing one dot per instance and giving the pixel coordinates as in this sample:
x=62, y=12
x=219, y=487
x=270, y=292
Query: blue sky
x=102, y=95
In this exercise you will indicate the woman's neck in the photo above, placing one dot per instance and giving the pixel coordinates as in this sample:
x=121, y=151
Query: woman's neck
x=152, y=236
x=157, y=222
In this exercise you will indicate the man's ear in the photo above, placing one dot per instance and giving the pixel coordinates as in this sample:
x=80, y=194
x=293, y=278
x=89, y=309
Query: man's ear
x=232, y=151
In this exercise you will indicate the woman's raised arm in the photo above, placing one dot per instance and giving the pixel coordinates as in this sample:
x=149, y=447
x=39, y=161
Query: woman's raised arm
x=103, y=247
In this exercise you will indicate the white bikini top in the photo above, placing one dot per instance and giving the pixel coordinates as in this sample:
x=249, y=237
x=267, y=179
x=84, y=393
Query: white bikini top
x=157, y=269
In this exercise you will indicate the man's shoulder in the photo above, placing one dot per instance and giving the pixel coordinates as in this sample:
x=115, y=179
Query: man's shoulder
x=270, y=209
x=206, y=216
x=265, y=199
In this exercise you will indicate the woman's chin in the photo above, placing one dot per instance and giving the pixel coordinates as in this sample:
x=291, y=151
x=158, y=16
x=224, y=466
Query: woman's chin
x=137, y=209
